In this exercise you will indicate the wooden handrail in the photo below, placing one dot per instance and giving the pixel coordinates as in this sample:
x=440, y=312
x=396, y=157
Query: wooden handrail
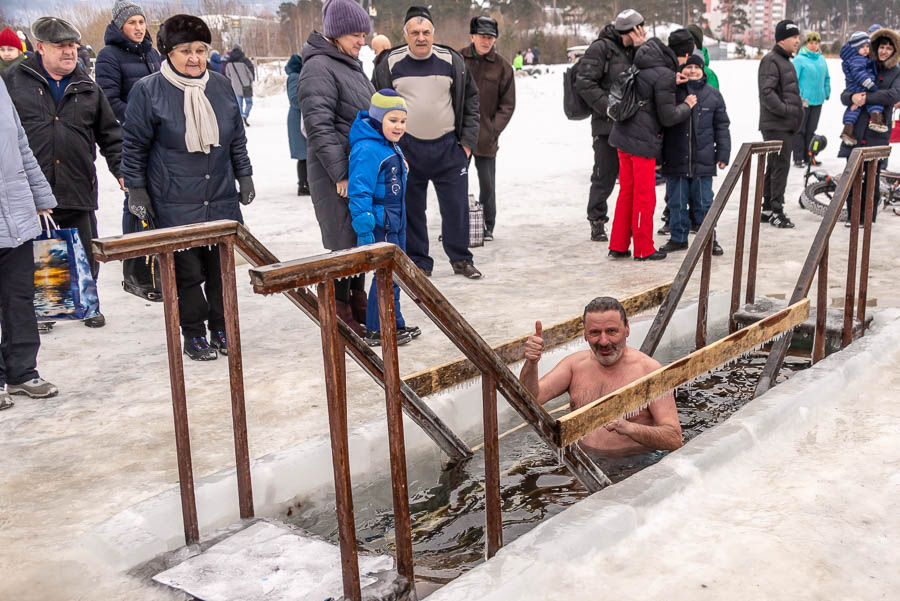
x=850, y=181
x=638, y=394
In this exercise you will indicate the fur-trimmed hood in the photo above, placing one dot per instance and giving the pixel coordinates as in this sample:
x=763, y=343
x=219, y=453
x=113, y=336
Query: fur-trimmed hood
x=894, y=37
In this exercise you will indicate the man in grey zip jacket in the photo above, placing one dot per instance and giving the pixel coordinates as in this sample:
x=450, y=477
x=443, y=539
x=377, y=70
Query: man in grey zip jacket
x=24, y=192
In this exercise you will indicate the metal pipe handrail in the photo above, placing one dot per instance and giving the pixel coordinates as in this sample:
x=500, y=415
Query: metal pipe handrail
x=817, y=259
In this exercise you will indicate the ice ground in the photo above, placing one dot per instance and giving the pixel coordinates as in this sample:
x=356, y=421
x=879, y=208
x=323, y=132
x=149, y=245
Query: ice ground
x=106, y=442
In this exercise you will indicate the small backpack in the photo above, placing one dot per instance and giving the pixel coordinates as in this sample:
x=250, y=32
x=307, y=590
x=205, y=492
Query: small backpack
x=623, y=97
x=574, y=105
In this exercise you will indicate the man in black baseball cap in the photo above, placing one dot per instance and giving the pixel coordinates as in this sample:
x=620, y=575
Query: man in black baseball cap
x=780, y=116
x=496, y=83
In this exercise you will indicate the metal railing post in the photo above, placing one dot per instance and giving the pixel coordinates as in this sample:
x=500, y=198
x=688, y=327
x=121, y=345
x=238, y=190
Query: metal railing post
x=236, y=379
x=492, y=504
x=179, y=402
x=336, y=391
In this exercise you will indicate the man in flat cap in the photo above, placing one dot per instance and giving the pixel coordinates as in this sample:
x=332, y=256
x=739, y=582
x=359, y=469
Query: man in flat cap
x=441, y=132
x=607, y=57
x=496, y=83
x=65, y=115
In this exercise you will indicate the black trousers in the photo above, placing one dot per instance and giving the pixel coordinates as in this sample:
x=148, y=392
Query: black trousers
x=445, y=164
x=86, y=224
x=603, y=179
x=777, y=167
x=197, y=270
x=808, y=127
x=487, y=184
x=18, y=325
x=862, y=209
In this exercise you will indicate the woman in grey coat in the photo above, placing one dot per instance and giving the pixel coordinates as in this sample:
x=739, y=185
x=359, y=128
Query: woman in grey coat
x=24, y=192
x=332, y=90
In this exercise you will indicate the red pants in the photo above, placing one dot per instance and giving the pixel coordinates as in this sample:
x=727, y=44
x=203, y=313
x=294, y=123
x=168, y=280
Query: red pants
x=635, y=205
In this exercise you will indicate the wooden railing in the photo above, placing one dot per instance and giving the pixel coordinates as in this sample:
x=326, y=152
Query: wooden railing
x=703, y=241
x=851, y=181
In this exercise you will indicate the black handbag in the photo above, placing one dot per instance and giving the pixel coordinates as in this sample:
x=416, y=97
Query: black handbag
x=141, y=276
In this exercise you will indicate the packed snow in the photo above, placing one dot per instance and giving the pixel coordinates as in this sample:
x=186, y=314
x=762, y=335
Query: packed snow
x=106, y=443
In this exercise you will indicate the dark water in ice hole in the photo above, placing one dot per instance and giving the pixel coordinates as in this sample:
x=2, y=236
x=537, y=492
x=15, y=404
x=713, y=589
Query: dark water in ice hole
x=447, y=503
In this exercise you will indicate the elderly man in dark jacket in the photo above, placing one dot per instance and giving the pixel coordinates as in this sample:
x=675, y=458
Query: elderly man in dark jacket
x=780, y=116
x=639, y=142
x=442, y=130
x=496, y=83
x=886, y=53
x=66, y=116
x=610, y=55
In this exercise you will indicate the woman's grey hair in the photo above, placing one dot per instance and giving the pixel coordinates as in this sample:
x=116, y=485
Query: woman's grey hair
x=602, y=304
x=208, y=46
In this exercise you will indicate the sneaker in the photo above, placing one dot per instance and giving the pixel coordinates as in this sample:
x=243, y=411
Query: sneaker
x=800, y=164
x=217, y=341
x=659, y=255
x=847, y=135
x=598, y=231
x=619, y=254
x=664, y=230
x=717, y=250
x=765, y=216
x=672, y=246
x=862, y=224
x=413, y=331
x=37, y=388
x=97, y=321
x=465, y=268
x=373, y=338
x=45, y=327
x=876, y=123
x=488, y=236
x=198, y=349
x=6, y=401
x=780, y=220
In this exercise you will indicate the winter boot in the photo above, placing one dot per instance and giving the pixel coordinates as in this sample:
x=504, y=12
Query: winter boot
x=466, y=268
x=659, y=255
x=6, y=401
x=876, y=123
x=717, y=250
x=302, y=181
x=97, y=321
x=198, y=349
x=847, y=135
x=358, y=304
x=218, y=341
x=37, y=388
x=672, y=246
x=598, y=231
x=345, y=313
x=619, y=254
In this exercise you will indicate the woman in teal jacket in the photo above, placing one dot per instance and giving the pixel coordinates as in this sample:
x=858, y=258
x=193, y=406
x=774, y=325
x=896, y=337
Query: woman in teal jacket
x=815, y=88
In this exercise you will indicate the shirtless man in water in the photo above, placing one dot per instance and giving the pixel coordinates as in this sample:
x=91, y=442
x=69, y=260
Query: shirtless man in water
x=608, y=365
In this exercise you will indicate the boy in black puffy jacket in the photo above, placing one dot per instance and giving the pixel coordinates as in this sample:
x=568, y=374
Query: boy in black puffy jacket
x=692, y=150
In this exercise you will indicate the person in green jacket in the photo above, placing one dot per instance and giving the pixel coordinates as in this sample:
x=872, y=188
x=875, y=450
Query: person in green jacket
x=711, y=77
x=815, y=89
x=518, y=61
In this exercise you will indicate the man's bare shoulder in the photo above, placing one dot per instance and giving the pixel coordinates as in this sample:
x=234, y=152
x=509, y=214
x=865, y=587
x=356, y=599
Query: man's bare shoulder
x=641, y=361
x=576, y=358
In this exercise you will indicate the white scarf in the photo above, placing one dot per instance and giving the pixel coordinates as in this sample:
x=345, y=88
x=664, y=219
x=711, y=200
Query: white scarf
x=201, y=128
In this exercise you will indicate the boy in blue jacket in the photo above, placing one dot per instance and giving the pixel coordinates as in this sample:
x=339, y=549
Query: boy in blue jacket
x=860, y=74
x=377, y=192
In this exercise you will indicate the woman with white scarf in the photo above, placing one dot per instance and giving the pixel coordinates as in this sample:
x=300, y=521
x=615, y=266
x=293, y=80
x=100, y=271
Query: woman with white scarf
x=184, y=147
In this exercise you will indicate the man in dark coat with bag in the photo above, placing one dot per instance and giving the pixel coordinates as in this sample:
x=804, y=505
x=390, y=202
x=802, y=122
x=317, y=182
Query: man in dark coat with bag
x=496, y=83
x=609, y=56
x=780, y=116
x=66, y=116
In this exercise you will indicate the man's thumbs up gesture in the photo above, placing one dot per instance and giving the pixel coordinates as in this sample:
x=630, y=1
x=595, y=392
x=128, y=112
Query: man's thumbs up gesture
x=534, y=346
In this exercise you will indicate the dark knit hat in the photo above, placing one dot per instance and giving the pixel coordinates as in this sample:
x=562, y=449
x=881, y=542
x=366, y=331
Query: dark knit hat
x=627, y=20
x=182, y=29
x=484, y=26
x=859, y=38
x=697, y=32
x=786, y=29
x=693, y=60
x=417, y=11
x=340, y=17
x=8, y=37
x=681, y=42
x=55, y=31
x=124, y=10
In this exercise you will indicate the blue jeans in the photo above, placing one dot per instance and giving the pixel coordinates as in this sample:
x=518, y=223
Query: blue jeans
x=679, y=190
x=245, y=103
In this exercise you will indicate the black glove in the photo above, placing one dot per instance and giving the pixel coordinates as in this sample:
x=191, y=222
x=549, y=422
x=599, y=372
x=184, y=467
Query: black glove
x=248, y=192
x=139, y=203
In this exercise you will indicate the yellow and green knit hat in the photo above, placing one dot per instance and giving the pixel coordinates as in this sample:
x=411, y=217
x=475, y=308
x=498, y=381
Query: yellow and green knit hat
x=384, y=101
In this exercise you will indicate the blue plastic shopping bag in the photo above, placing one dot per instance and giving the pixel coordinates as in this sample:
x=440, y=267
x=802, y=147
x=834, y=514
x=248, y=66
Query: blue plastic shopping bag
x=63, y=285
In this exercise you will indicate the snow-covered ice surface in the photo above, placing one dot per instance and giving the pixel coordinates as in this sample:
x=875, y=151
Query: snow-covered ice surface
x=106, y=443
x=268, y=562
